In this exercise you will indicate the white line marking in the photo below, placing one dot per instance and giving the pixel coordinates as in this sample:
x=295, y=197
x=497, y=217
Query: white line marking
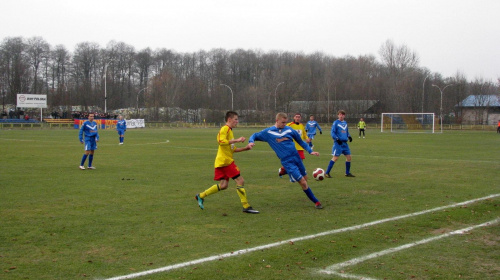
x=333, y=269
x=271, y=245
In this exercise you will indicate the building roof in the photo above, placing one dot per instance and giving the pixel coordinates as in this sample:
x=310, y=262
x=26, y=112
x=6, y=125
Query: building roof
x=480, y=101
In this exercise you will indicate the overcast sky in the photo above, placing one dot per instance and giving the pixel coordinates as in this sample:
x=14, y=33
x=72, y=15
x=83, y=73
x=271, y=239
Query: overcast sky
x=449, y=36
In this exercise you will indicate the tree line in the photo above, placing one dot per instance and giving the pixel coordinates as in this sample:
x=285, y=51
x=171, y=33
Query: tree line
x=119, y=76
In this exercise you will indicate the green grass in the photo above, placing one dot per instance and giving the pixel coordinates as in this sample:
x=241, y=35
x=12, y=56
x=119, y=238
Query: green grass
x=137, y=211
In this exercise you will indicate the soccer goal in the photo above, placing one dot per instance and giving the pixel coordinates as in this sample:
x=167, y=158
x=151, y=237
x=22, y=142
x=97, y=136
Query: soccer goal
x=408, y=122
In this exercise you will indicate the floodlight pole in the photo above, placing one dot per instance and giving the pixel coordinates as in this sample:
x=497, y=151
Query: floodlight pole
x=138, y=99
x=275, y=95
x=105, y=87
x=423, y=91
x=232, y=104
x=441, y=107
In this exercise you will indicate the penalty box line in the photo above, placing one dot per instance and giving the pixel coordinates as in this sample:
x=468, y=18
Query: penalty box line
x=276, y=244
x=334, y=269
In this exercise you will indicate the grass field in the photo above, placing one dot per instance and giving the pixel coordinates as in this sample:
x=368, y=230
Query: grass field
x=136, y=212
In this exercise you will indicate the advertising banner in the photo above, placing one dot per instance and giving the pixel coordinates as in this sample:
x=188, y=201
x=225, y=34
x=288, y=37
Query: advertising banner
x=111, y=124
x=32, y=100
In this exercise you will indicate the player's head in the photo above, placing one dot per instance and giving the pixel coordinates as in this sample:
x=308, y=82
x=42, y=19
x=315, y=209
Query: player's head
x=91, y=117
x=232, y=119
x=361, y=119
x=120, y=117
x=341, y=114
x=281, y=119
x=230, y=114
x=311, y=117
x=297, y=117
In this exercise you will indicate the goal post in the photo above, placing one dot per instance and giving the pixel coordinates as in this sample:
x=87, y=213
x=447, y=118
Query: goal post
x=408, y=122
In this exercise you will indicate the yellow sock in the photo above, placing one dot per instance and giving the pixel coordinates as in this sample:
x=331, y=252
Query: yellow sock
x=242, y=193
x=213, y=189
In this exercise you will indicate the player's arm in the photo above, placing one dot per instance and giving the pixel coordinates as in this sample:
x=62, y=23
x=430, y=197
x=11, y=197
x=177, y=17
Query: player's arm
x=238, y=140
x=223, y=137
x=80, y=133
x=319, y=128
x=297, y=137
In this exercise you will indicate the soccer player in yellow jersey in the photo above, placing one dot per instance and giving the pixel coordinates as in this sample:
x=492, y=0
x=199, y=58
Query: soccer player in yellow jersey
x=301, y=129
x=225, y=168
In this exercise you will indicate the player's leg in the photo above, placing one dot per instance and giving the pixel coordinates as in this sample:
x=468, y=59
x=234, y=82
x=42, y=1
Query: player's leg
x=84, y=158
x=242, y=193
x=310, y=136
x=348, y=165
x=335, y=153
x=307, y=190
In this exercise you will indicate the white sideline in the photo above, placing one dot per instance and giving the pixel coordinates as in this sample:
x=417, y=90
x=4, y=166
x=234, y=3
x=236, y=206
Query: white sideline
x=271, y=245
x=333, y=269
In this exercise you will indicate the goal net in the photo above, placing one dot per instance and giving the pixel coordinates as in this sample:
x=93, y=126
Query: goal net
x=408, y=122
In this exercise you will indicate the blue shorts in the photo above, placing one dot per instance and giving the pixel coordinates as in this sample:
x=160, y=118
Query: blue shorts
x=311, y=136
x=294, y=167
x=338, y=150
x=121, y=131
x=90, y=144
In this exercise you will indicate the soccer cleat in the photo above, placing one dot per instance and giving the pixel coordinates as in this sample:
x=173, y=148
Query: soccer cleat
x=91, y=167
x=327, y=175
x=349, y=175
x=250, y=210
x=318, y=205
x=82, y=167
x=120, y=144
x=200, y=201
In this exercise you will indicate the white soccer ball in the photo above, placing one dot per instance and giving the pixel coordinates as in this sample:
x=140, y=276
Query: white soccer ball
x=319, y=174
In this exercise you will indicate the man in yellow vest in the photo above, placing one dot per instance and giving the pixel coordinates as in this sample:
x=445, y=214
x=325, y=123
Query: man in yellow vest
x=361, y=127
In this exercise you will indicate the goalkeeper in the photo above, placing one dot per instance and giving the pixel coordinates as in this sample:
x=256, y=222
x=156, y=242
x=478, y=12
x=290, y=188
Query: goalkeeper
x=361, y=127
x=340, y=135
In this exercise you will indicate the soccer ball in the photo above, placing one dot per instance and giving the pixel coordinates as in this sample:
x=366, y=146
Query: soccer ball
x=319, y=174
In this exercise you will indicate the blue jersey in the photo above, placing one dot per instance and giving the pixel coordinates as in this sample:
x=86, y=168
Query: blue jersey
x=340, y=131
x=311, y=127
x=281, y=141
x=90, y=130
x=121, y=125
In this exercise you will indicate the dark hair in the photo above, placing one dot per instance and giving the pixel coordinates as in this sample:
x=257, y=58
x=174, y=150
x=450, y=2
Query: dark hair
x=230, y=114
x=341, y=112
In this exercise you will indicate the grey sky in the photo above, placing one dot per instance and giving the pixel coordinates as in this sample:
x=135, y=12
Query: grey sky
x=448, y=35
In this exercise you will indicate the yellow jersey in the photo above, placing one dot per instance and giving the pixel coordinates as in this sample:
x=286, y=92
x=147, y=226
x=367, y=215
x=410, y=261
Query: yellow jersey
x=301, y=129
x=362, y=124
x=225, y=152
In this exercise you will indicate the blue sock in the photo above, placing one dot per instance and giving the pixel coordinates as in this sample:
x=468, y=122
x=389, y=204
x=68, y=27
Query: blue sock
x=347, y=167
x=310, y=144
x=121, y=139
x=330, y=166
x=84, y=158
x=91, y=158
x=311, y=196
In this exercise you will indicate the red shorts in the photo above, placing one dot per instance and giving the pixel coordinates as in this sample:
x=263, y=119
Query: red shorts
x=301, y=154
x=224, y=173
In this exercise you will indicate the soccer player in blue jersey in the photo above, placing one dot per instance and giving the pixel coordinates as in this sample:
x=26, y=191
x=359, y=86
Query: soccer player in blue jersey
x=121, y=127
x=311, y=129
x=89, y=128
x=340, y=135
x=280, y=138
